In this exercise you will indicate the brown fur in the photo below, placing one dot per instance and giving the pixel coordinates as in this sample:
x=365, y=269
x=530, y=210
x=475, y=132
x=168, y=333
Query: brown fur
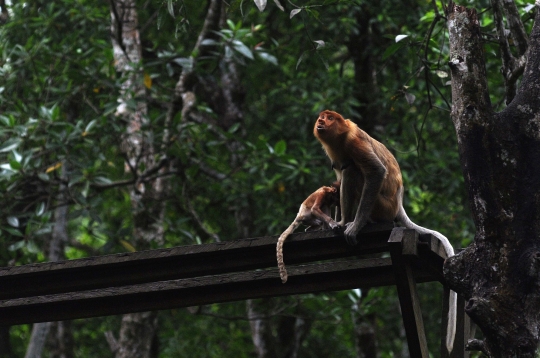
x=315, y=212
x=371, y=185
x=344, y=142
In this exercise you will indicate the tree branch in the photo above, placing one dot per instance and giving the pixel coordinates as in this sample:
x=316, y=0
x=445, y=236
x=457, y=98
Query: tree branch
x=529, y=85
x=196, y=217
x=517, y=30
x=182, y=92
x=512, y=67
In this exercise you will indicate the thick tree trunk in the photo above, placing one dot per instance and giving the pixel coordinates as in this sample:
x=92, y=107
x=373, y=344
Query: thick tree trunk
x=500, y=154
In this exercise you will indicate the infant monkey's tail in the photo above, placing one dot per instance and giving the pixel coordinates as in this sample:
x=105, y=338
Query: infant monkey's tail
x=279, y=249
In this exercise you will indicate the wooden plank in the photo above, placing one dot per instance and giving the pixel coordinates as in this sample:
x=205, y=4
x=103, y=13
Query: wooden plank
x=332, y=276
x=183, y=262
x=429, y=255
x=401, y=239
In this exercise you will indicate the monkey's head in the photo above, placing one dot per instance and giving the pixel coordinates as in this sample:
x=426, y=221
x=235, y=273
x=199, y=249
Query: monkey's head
x=329, y=124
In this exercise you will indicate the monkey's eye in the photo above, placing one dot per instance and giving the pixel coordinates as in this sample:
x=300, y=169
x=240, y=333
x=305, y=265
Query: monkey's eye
x=331, y=118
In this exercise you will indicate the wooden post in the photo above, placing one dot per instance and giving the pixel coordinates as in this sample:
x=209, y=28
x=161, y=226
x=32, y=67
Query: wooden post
x=402, y=244
x=444, y=321
x=463, y=331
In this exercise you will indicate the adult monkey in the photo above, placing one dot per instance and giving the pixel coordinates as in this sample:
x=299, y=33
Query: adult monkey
x=315, y=212
x=371, y=186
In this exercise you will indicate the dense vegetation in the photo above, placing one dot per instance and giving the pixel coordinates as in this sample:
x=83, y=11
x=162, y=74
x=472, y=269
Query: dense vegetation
x=382, y=64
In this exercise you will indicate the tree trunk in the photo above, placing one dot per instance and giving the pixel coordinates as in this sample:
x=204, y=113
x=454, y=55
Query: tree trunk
x=261, y=332
x=59, y=237
x=5, y=344
x=138, y=329
x=498, y=274
x=60, y=343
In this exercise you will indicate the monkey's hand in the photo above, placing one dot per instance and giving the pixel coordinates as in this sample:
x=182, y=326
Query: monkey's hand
x=352, y=229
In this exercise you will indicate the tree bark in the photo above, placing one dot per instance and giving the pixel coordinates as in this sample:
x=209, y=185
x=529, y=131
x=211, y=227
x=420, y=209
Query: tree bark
x=498, y=274
x=5, y=343
x=60, y=343
x=138, y=329
x=261, y=332
x=59, y=237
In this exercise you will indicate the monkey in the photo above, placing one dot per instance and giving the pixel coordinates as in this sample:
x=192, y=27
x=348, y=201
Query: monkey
x=371, y=186
x=314, y=211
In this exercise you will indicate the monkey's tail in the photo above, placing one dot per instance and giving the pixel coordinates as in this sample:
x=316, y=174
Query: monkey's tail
x=452, y=299
x=279, y=249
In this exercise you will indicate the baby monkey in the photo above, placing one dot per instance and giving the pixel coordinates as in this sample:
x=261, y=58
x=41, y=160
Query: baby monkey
x=315, y=211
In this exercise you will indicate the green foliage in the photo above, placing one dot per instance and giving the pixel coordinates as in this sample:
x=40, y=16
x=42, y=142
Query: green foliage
x=58, y=95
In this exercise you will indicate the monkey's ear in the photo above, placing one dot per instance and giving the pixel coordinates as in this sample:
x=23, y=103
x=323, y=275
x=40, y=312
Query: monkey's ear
x=332, y=166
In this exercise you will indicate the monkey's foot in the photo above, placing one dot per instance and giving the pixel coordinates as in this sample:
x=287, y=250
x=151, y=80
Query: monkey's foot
x=336, y=227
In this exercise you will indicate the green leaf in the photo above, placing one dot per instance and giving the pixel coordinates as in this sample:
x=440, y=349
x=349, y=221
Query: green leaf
x=392, y=49
x=102, y=180
x=261, y=4
x=10, y=144
x=13, y=221
x=268, y=58
x=5, y=120
x=15, y=165
x=300, y=59
x=320, y=43
x=294, y=12
x=16, y=246
x=32, y=247
x=243, y=49
x=401, y=37
x=170, y=7
x=280, y=147
x=90, y=125
x=234, y=128
x=40, y=209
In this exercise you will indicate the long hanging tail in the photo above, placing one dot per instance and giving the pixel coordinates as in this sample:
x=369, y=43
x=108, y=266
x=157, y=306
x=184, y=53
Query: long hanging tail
x=279, y=248
x=452, y=310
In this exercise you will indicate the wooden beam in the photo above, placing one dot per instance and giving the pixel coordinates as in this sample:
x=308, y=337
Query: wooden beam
x=333, y=276
x=184, y=262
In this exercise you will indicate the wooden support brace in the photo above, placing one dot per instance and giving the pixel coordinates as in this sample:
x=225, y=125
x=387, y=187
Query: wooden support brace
x=403, y=244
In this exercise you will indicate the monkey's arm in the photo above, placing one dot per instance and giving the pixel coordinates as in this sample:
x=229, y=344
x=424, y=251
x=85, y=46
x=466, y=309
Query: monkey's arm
x=374, y=173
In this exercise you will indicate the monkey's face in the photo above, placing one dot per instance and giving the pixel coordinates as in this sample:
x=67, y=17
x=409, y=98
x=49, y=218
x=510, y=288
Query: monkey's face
x=328, y=123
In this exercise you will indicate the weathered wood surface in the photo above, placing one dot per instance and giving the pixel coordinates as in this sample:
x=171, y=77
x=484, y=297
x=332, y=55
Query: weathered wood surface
x=236, y=286
x=183, y=262
x=203, y=274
